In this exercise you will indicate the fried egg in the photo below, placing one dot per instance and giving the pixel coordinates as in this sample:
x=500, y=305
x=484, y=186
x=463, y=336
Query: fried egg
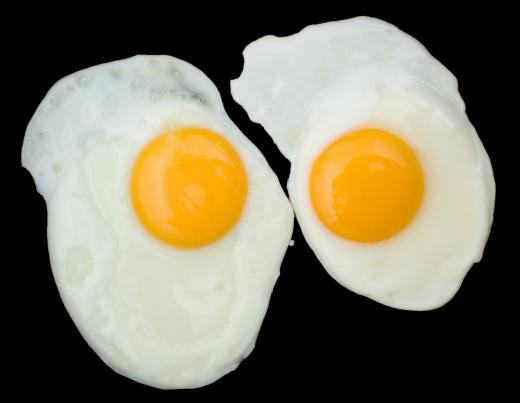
x=389, y=180
x=166, y=226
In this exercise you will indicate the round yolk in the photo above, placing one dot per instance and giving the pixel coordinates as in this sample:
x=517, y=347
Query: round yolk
x=188, y=187
x=366, y=186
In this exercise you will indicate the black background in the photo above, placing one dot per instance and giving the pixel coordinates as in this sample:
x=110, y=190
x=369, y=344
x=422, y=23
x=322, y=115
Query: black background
x=316, y=334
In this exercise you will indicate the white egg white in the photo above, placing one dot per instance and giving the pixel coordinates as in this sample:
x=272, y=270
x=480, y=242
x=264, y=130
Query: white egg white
x=311, y=88
x=163, y=316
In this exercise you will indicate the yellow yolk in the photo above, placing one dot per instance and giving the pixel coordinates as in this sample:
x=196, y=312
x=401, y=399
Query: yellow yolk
x=188, y=187
x=366, y=186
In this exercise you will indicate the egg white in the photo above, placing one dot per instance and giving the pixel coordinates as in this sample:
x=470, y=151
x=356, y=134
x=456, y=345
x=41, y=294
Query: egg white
x=164, y=316
x=309, y=89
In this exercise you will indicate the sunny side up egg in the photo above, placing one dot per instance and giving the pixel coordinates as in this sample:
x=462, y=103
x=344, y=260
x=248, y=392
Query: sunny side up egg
x=389, y=180
x=166, y=226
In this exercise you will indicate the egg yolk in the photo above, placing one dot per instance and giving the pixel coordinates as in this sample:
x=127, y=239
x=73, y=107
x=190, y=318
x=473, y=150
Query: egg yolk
x=366, y=186
x=188, y=187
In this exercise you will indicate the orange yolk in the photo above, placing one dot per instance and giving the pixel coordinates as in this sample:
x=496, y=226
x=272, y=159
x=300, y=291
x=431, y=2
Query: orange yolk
x=188, y=187
x=366, y=186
